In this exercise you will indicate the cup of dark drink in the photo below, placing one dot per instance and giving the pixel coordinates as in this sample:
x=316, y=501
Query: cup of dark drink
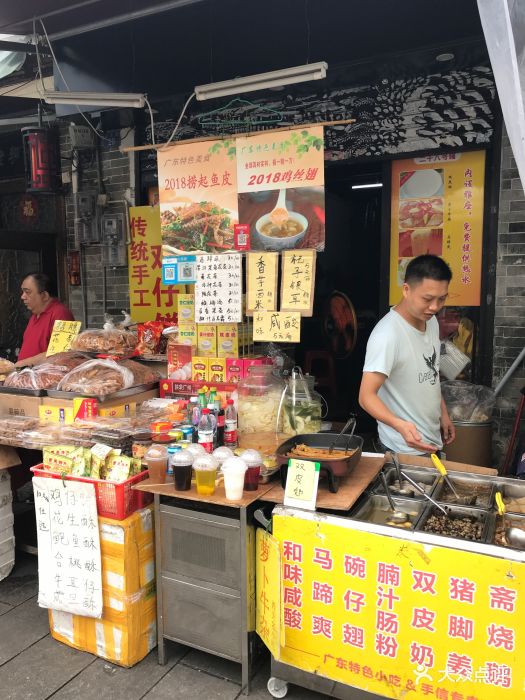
x=253, y=460
x=182, y=469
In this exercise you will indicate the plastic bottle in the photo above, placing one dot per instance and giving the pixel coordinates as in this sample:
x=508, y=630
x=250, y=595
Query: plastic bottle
x=213, y=416
x=230, y=425
x=205, y=431
x=195, y=416
x=221, y=419
x=169, y=467
x=193, y=404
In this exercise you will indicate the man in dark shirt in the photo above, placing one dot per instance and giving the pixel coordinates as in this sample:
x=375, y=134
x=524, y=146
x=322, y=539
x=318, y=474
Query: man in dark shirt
x=45, y=310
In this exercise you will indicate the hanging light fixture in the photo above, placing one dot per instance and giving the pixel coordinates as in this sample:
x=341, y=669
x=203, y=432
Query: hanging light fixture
x=40, y=160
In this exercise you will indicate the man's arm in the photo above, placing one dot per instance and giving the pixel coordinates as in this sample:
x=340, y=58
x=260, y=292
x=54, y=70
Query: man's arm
x=448, y=431
x=372, y=404
x=30, y=361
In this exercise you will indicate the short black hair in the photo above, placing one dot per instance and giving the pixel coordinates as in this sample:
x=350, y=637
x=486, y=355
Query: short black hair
x=427, y=267
x=43, y=282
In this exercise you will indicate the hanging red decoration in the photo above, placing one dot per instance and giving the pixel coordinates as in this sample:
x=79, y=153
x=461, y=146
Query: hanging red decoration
x=41, y=161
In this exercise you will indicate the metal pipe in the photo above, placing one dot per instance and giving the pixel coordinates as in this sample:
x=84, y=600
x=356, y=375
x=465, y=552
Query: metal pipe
x=509, y=372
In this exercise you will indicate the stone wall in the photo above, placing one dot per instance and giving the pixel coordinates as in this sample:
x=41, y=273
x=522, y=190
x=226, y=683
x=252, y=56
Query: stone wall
x=509, y=320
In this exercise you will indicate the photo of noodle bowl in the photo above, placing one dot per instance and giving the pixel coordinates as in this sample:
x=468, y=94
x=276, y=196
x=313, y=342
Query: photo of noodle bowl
x=421, y=213
x=198, y=227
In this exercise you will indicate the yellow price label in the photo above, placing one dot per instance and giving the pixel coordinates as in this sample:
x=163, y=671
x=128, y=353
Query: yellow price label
x=277, y=326
x=62, y=337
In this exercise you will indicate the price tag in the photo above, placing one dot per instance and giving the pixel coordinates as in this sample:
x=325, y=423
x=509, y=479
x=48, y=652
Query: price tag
x=62, y=337
x=277, y=326
x=261, y=282
x=302, y=481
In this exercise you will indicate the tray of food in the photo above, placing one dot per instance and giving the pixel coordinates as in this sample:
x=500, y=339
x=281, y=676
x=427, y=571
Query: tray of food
x=376, y=509
x=513, y=494
x=316, y=448
x=460, y=522
x=508, y=531
x=121, y=394
x=426, y=478
x=473, y=490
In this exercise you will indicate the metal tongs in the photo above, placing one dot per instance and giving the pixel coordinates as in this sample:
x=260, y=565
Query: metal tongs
x=442, y=470
x=422, y=491
x=350, y=420
x=398, y=516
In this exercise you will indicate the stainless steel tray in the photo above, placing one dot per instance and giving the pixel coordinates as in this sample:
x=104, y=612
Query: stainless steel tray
x=427, y=477
x=511, y=488
x=122, y=394
x=509, y=520
x=465, y=482
x=376, y=509
x=482, y=516
x=23, y=392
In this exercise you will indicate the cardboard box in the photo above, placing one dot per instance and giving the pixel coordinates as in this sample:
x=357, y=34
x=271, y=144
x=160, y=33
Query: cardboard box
x=186, y=308
x=172, y=388
x=179, y=356
x=16, y=405
x=113, y=407
x=234, y=369
x=187, y=334
x=81, y=409
x=217, y=370
x=227, y=340
x=206, y=340
x=199, y=369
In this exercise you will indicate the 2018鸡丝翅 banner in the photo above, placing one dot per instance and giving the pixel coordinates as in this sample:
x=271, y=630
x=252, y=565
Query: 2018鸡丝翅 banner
x=437, y=208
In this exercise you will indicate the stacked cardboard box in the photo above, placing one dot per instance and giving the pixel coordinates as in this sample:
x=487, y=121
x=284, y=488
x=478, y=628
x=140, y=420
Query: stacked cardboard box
x=127, y=631
x=7, y=540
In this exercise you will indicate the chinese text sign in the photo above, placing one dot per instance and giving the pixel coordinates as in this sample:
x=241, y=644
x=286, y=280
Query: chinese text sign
x=268, y=592
x=64, y=333
x=261, y=281
x=297, y=284
x=69, y=566
x=277, y=327
x=400, y=619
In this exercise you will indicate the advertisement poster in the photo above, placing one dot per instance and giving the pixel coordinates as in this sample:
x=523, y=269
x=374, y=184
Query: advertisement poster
x=268, y=187
x=150, y=299
x=198, y=197
x=280, y=180
x=268, y=592
x=437, y=208
x=399, y=618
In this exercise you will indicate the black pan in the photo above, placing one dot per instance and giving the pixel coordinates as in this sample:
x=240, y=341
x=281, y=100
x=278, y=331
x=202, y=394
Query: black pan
x=332, y=468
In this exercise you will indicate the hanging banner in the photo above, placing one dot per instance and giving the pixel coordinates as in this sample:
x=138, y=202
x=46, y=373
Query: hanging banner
x=198, y=197
x=69, y=560
x=399, y=618
x=149, y=298
x=280, y=180
x=437, y=208
x=297, y=281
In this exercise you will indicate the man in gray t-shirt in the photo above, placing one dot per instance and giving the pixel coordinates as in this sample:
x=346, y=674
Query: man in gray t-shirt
x=400, y=385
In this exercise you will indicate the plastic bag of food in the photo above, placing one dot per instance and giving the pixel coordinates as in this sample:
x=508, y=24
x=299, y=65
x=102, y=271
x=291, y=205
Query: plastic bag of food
x=149, y=336
x=141, y=373
x=114, y=341
x=468, y=402
x=6, y=368
x=45, y=376
x=97, y=378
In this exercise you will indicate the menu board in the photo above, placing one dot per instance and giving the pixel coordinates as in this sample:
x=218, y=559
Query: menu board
x=297, y=282
x=437, y=208
x=62, y=336
x=198, y=197
x=218, y=288
x=69, y=564
x=277, y=326
x=261, y=281
x=149, y=298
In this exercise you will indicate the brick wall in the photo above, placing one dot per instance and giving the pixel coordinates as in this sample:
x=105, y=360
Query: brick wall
x=117, y=178
x=509, y=321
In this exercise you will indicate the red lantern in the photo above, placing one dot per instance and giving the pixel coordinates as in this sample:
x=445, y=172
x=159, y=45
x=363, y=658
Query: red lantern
x=40, y=158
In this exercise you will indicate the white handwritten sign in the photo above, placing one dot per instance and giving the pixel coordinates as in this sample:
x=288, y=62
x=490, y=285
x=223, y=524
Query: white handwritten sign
x=69, y=565
x=297, y=281
x=218, y=288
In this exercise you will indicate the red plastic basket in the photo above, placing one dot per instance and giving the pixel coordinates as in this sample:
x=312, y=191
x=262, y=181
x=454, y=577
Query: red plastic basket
x=115, y=500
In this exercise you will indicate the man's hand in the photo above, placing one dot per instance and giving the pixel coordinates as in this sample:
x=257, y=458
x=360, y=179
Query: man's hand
x=412, y=437
x=448, y=431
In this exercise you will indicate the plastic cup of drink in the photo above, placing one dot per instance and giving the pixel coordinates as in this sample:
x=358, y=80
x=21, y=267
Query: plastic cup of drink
x=182, y=470
x=205, y=468
x=234, y=470
x=156, y=459
x=253, y=460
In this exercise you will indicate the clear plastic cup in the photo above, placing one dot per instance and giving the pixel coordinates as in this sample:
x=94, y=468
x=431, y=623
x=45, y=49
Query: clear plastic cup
x=205, y=467
x=234, y=470
x=254, y=463
x=222, y=453
x=182, y=469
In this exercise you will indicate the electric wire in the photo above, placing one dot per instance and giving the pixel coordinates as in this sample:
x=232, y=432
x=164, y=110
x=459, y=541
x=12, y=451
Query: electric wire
x=190, y=98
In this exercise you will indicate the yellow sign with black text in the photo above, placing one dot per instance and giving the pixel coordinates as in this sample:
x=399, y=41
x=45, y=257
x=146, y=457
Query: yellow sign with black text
x=62, y=336
x=268, y=592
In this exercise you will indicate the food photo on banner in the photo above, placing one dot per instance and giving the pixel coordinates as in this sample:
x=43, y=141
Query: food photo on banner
x=271, y=184
x=437, y=208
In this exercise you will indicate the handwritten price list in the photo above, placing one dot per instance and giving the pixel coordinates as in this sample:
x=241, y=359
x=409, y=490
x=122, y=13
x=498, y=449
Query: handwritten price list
x=218, y=288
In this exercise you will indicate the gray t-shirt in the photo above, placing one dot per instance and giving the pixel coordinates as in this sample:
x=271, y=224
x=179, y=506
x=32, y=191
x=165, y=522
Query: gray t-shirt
x=410, y=360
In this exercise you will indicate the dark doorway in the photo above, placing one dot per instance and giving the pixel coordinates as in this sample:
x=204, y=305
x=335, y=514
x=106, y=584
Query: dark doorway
x=20, y=253
x=349, y=266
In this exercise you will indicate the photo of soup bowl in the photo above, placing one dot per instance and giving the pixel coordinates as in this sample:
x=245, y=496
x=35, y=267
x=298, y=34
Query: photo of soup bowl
x=281, y=242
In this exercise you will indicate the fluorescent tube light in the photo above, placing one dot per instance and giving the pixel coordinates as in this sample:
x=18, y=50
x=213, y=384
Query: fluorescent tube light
x=367, y=186
x=99, y=99
x=262, y=81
